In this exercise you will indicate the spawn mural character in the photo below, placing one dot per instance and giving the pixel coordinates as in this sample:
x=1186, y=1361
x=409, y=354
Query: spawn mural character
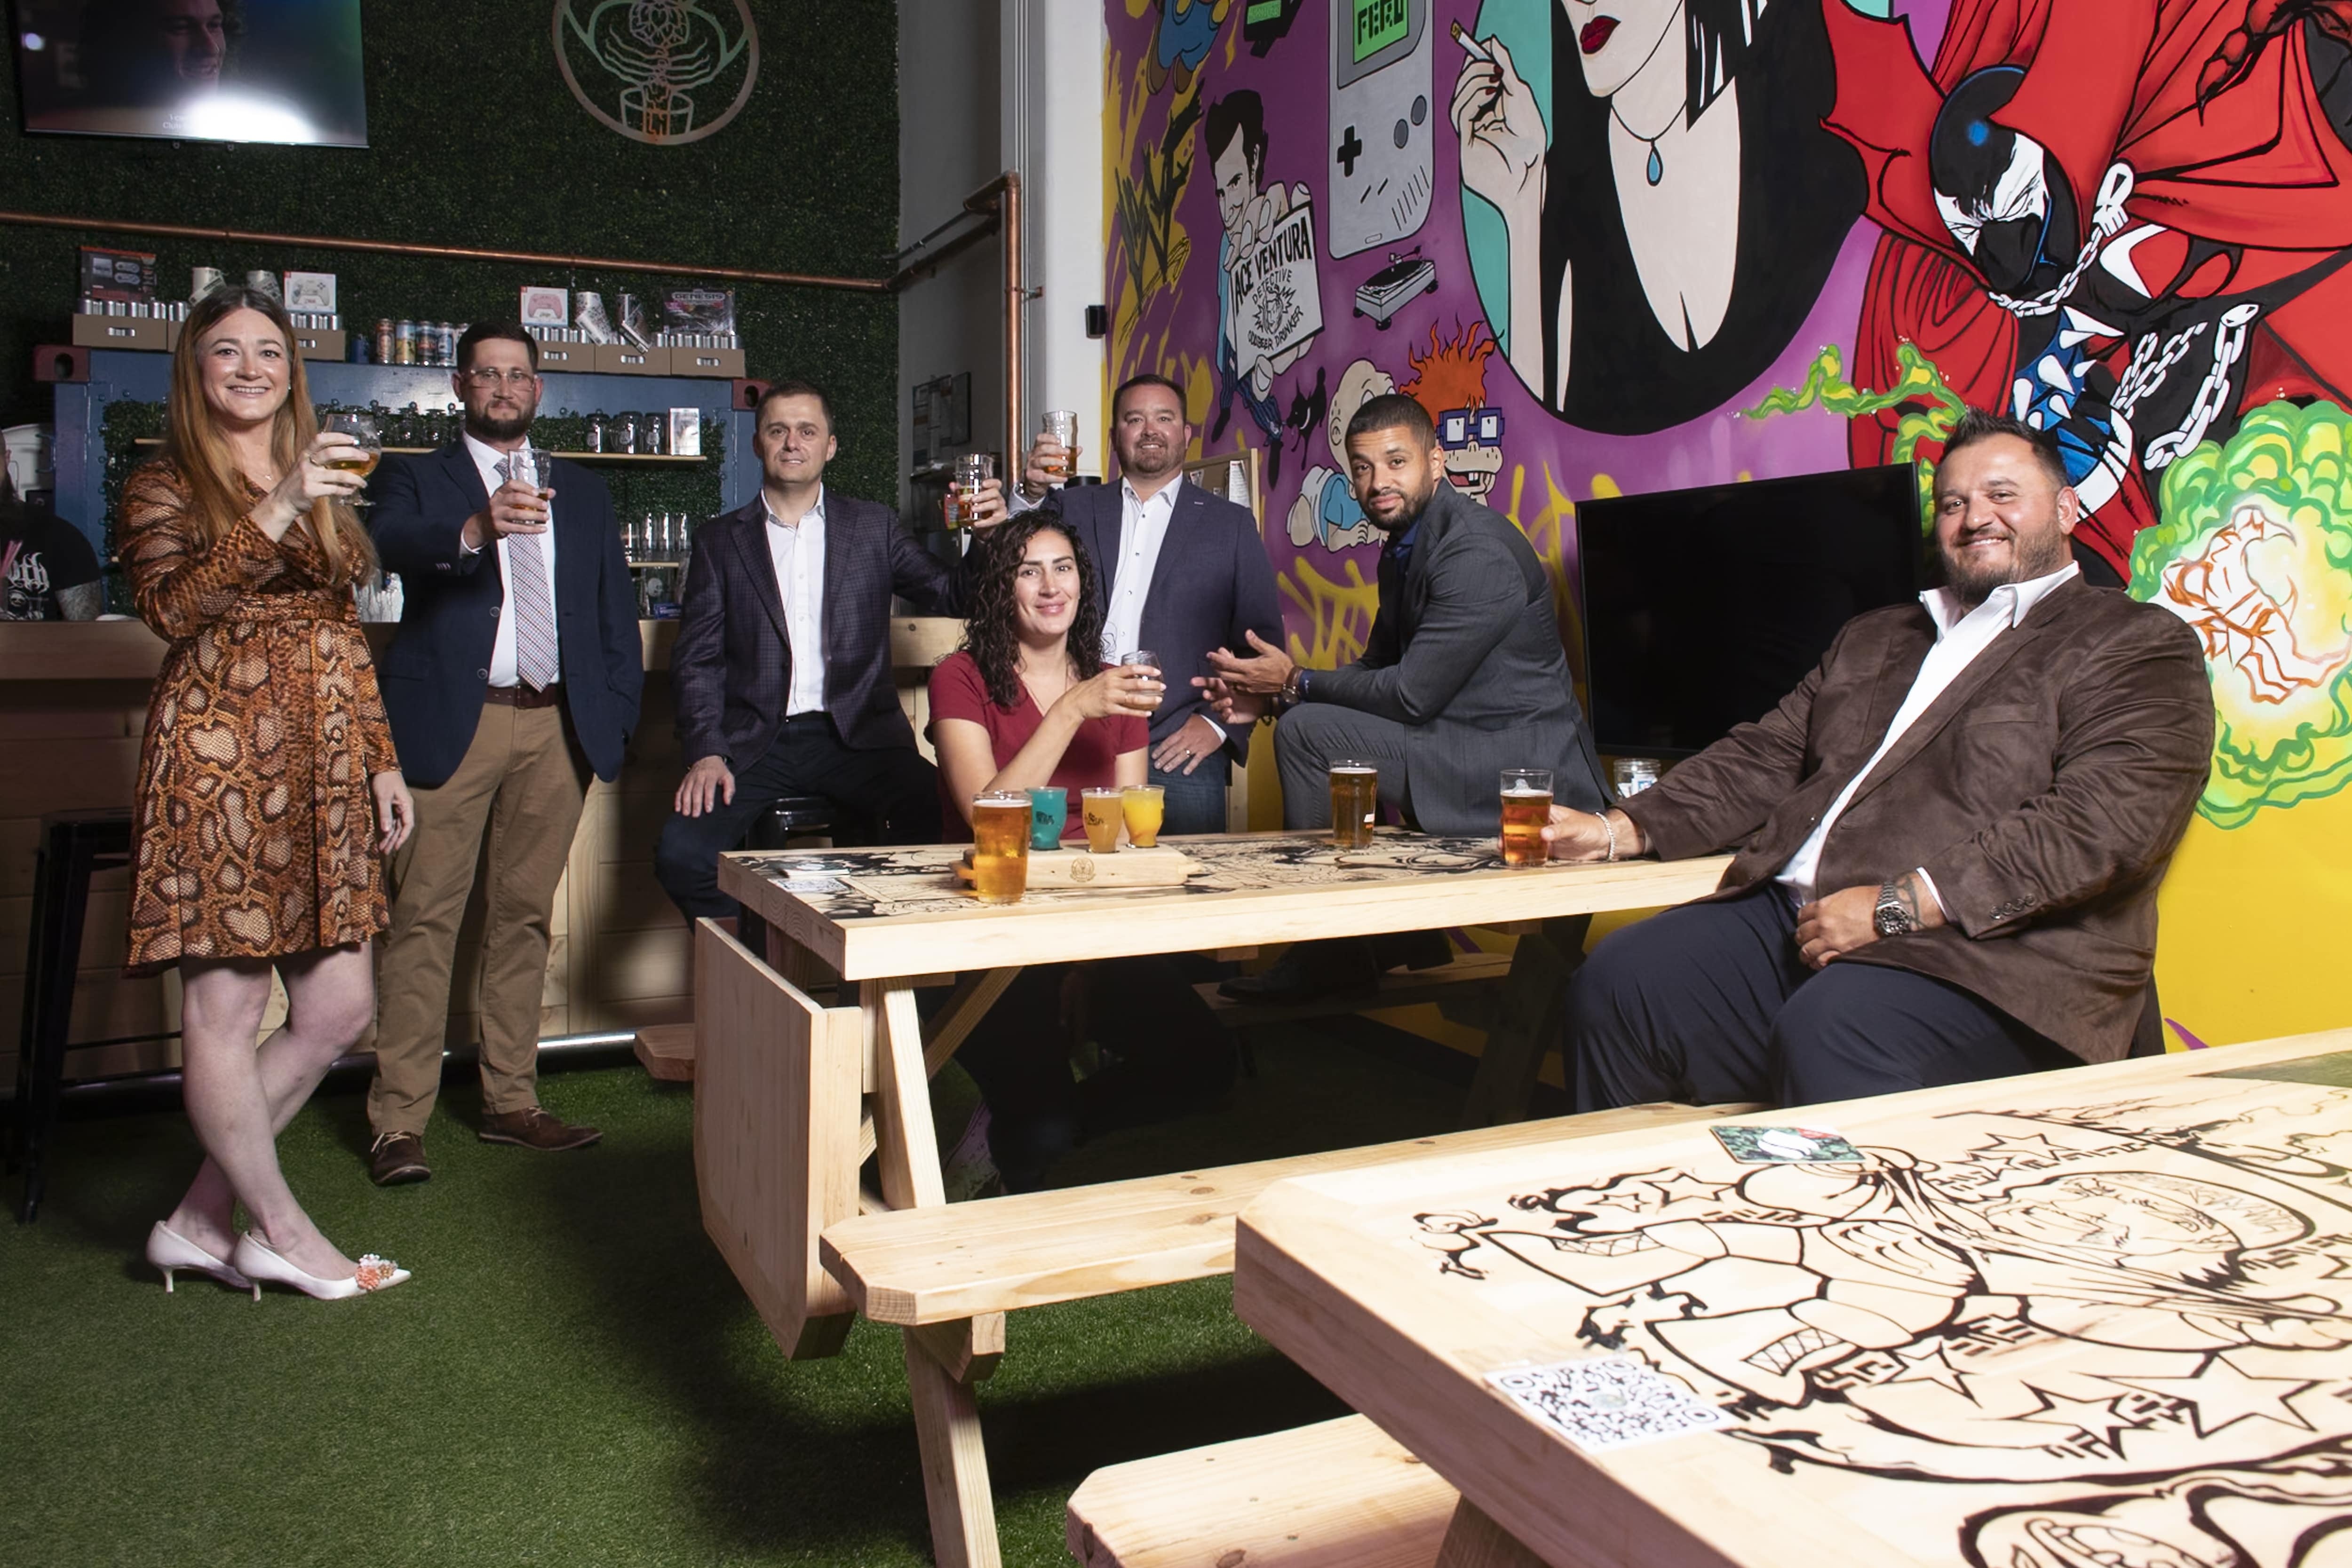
x=2124, y=222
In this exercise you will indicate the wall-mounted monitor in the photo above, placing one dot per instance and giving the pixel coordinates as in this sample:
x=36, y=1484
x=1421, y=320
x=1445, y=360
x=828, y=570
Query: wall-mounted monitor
x=193, y=70
x=1703, y=608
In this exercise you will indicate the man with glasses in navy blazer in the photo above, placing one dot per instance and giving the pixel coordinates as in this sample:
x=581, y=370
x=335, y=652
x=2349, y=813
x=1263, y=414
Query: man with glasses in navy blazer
x=1182, y=572
x=514, y=675
x=782, y=668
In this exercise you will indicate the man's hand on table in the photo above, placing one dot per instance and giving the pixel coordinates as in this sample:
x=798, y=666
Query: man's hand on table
x=1846, y=921
x=706, y=785
x=1582, y=835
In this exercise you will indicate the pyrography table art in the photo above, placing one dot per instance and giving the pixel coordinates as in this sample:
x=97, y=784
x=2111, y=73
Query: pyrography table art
x=792, y=1096
x=2099, y=1318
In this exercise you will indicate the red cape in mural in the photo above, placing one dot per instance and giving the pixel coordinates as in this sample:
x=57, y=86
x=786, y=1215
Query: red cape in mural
x=2211, y=260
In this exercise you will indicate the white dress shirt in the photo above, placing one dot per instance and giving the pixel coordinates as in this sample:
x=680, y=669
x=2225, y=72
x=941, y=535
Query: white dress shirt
x=486, y=459
x=1960, y=638
x=797, y=548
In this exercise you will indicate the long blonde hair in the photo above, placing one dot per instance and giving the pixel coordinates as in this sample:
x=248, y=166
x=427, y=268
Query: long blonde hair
x=194, y=443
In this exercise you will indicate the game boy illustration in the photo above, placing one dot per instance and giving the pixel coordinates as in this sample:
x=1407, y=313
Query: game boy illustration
x=1384, y=121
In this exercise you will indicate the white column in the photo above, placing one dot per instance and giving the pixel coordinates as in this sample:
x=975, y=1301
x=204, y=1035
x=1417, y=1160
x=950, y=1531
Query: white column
x=1053, y=56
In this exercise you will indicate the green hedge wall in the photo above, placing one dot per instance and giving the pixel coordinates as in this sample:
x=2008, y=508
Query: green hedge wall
x=475, y=139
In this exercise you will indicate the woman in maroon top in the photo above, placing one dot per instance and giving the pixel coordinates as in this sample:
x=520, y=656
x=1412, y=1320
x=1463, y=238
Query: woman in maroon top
x=1025, y=704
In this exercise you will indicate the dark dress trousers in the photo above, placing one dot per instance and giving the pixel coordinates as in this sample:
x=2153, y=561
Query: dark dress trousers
x=2044, y=791
x=731, y=670
x=1460, y=677
x=439, y=665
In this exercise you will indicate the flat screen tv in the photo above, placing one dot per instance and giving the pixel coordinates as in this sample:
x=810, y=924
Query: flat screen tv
x=1703, y=608
x=195, y=70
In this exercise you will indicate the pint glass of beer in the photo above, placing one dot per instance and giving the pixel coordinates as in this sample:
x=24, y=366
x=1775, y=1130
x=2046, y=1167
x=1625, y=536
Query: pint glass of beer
x=1526, y=807
x=972, y=470
x=1103, y=817
x=1142, y=805
x=1062, y=424
x=999, y=846
x=1355, y=802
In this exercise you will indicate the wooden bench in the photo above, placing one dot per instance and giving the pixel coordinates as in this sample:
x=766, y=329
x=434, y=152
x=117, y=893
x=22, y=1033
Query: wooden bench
x=1338, y=1492
x=914, y=1267
x=667, y=1049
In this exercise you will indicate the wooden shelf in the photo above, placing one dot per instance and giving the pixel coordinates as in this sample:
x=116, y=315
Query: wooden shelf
x=574, y=457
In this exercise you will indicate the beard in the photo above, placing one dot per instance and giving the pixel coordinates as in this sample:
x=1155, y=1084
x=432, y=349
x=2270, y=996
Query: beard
x=1974, y=584
x=484, y=425
x=1415, y=503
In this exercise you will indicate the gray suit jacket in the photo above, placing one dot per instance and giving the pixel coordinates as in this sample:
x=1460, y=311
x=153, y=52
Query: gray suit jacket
x=1213, y=584
x=1466, y=653
x=2044, y=791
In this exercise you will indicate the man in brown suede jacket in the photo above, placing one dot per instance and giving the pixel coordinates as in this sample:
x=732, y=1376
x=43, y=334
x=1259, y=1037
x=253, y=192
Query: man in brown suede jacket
x=1949, y=837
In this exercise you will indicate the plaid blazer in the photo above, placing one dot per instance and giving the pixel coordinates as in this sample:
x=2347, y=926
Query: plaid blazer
x=731, y=666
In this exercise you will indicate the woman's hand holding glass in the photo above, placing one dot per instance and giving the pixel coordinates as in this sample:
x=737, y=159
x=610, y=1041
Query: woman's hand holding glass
x=310, y=480
x=1117, y=692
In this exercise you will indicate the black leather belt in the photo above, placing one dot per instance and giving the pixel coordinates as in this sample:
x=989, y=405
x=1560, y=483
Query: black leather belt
x=523, y=696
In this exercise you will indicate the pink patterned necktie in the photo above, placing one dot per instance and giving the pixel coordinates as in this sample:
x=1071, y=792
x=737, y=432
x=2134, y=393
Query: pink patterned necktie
x=534, y=600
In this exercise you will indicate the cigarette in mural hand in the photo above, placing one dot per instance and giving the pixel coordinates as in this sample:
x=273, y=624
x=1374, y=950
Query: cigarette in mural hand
x=1471, y=46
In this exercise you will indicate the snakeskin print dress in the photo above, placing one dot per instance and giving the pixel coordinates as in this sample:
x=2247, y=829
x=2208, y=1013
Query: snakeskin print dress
x=254, y=832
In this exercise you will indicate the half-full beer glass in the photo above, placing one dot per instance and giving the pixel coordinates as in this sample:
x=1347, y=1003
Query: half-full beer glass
x=1103, y=817
x=1526, y=807
x=972, y=470
x=999, y=846
x=1062, y=424
x=1354, y=803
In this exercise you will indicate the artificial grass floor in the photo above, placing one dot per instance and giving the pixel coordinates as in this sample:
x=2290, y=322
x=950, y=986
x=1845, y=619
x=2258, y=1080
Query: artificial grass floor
x=573, y=1376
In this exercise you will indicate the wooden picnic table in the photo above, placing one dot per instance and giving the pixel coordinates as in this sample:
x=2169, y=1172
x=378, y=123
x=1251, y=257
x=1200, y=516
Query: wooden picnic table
x=792, y=1096
x=2093, y=1317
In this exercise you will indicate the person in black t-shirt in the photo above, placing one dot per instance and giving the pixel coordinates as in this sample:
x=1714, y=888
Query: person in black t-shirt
x=47, y=570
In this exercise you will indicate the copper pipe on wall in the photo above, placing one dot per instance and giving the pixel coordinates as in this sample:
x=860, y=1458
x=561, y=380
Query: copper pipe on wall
x=453, y=252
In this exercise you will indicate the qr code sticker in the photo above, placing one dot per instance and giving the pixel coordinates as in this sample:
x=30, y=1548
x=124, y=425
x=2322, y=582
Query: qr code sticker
x=1610, y=1401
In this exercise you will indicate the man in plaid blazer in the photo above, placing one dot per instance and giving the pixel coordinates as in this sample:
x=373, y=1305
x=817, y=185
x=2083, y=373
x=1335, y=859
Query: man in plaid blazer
x=782, y=668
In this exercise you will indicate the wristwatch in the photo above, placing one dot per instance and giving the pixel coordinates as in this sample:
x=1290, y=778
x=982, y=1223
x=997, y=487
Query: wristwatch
x=1892, y=917
x=1294, y=690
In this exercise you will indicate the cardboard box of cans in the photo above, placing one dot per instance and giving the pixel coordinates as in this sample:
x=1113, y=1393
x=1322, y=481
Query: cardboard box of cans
x=160, y=333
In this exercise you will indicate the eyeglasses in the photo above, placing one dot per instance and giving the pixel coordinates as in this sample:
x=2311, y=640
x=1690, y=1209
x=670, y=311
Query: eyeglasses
x=487, y=379
x=1465, y=427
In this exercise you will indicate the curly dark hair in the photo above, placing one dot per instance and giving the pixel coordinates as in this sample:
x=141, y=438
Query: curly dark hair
x=992, y=631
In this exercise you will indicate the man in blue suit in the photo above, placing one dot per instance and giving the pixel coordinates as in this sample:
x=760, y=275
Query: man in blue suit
x=1182, y=572
x=514, y=674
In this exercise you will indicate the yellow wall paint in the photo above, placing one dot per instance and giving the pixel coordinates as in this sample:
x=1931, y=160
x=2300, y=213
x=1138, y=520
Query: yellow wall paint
x=2253, y=923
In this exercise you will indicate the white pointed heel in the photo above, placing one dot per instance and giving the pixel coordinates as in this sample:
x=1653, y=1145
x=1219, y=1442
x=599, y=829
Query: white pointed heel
x=169, y=1250
x=260, y=1264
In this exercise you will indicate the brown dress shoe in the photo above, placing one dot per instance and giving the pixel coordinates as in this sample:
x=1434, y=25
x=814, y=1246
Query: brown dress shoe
x=534, y=1128
x=395, y=1159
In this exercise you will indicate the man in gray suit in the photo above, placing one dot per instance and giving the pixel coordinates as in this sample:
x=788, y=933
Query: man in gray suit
x=1180, y=572
x=1462, y=676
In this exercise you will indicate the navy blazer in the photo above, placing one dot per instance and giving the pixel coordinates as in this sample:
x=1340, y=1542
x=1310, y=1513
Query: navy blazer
x=731, y=666
x=439, y=665
x=1213, y=584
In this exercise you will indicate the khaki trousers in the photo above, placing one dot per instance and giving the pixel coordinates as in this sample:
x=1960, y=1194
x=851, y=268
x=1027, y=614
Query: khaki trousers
x=522, y=782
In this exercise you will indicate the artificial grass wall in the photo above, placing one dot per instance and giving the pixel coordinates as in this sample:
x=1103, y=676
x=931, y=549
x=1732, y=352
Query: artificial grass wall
x=474, y=140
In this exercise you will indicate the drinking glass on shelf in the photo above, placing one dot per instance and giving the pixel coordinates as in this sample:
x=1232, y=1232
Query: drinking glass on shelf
x=1526, y=807
x=972, y=470
x=621, y=433
x=361, y=460
x=1062, y=424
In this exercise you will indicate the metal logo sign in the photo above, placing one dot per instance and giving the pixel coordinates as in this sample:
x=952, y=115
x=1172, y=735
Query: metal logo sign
x=658, y=71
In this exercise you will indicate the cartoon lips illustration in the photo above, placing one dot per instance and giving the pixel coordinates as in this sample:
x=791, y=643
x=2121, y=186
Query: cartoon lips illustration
x=1596, y=34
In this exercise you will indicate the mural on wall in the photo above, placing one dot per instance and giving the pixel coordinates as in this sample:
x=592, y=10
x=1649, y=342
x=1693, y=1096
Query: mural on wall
x=1627, y=245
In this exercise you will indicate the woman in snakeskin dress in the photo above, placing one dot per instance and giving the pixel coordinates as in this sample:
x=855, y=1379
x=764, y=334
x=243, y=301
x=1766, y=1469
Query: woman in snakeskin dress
x=267, y=790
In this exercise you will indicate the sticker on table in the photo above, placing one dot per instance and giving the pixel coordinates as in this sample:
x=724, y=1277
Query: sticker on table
x=1610, y=1401
x=1785, y=1145
x=812, y=884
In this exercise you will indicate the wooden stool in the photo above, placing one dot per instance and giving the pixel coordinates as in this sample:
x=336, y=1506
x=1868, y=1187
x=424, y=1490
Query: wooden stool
x=74, y=846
